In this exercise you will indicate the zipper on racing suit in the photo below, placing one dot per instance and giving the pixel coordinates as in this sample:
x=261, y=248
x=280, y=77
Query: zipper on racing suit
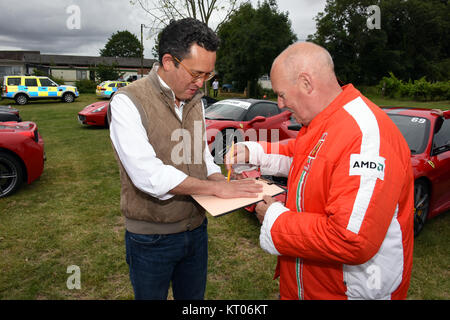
x=300, y=207
x=299, y=274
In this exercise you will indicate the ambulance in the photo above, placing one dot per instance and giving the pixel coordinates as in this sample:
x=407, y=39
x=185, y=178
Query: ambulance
x=25, y=88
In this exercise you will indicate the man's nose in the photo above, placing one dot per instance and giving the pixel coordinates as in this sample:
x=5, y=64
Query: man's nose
x=199, y=82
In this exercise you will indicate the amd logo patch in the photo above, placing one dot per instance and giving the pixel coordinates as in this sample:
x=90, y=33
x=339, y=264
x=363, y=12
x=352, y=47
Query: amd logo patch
x=369, y=165
x=364, y=165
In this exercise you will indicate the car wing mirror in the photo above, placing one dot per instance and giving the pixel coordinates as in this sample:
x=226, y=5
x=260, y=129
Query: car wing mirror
x=257, y=120
x=443, y=148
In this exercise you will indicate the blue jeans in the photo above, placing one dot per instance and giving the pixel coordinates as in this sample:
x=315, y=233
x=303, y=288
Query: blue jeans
x=155, y=260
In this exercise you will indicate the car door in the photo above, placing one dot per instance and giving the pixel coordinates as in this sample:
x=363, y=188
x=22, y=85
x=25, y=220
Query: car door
x=111, y=88
x=440, y=158
x=44, y=87
x=31, y=86
x=271, y=127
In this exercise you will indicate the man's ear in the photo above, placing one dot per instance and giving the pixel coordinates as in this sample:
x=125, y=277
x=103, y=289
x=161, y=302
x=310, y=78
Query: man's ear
x=305, y=82
x=167, y=62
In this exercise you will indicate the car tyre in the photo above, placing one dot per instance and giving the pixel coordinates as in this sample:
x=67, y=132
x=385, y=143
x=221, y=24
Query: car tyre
x=21, y=99
x=421, y=205
x=68, y=97
x=11, y=174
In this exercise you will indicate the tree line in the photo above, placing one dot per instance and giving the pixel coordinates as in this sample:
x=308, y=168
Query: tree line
x=412, y=41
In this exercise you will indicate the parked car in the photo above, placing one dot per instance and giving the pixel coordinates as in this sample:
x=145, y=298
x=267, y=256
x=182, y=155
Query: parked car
x=25, y=88
x=9, y=116
x=245, y=119
x=21, y=155
x=7, y=113
x=208, y=101
x=9, y=109
x=107, y=88
x=227, y=87
x=94, y=114
x=428, y=137
x=134, y=78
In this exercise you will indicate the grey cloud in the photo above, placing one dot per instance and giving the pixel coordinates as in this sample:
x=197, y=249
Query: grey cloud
x=41, y=24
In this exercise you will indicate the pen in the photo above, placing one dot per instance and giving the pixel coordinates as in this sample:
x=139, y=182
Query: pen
x=231, y=157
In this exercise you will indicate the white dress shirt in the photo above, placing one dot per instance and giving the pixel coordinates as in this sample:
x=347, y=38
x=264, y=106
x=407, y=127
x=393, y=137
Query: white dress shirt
x=129, y=137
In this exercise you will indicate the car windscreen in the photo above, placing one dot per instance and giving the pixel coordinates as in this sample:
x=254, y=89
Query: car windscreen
x=224, y=110
x=415, y=130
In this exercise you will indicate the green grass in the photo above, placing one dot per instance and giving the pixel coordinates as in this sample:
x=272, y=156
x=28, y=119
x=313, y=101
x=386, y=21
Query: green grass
x=71, y=216
x=372, y=94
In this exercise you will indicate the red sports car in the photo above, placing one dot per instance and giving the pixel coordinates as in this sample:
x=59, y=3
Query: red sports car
x=94, y=114
x=245, y=120
x=21, y=155
x=428, y=137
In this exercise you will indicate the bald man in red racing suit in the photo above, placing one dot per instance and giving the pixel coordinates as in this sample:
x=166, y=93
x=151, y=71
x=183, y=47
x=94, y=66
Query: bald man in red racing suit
x=346, y=231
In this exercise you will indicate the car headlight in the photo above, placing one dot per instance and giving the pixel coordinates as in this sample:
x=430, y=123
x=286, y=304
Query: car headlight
x=98, y=109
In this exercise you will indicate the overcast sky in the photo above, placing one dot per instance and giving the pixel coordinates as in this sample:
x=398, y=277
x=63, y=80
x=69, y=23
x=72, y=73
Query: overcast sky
x=42, y=25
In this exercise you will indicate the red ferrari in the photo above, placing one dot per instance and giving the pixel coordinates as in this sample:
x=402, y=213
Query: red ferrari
x=428, y=137
x=21, y=155
x=94, y=114
x=246, y=120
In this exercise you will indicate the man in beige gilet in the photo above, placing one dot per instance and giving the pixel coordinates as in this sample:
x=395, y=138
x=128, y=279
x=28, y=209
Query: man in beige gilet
x=157, y=129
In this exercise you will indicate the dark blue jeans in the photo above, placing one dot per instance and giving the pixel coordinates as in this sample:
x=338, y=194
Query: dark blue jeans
x=155, y=260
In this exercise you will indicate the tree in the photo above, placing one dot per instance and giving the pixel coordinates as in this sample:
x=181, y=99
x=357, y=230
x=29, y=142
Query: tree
x=250, y=40
x=104, y=72
x=122, y=44
x=413, y=40
x=162, y=11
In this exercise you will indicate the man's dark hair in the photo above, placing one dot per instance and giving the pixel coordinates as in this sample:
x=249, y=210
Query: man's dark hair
x=178, y=37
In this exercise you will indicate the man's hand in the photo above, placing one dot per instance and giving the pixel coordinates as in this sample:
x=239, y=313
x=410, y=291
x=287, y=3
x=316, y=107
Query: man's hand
x=261, y=207
x=247, y=188
x=241, y=154
x=216, y=177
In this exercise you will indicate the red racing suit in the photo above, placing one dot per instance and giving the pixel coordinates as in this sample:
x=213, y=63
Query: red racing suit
x=347, y=229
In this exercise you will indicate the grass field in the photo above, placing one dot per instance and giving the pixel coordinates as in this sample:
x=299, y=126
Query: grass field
x=70, y=216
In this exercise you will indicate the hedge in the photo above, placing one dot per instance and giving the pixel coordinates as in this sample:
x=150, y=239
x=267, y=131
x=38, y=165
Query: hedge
x=420, y=90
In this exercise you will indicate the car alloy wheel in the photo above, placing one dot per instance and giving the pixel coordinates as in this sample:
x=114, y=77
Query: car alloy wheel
x=21, y=99
x=421, y=205
x=10, y=174
x=68, y=97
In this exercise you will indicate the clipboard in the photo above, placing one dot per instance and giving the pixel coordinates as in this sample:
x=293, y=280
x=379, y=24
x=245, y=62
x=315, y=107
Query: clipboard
x=217, y=207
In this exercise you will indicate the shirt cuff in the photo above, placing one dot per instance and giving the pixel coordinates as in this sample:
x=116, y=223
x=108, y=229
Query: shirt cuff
x=265, y=237
x=255, y=152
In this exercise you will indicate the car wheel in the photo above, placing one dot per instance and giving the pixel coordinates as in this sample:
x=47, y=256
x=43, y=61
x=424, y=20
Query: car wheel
x=11, y=175
x=21, y=99
x=68, y=97
x=421, y=205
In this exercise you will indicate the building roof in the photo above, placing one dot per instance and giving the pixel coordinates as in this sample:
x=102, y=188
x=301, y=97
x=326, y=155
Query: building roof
x=11, y=62
x=35, y=57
